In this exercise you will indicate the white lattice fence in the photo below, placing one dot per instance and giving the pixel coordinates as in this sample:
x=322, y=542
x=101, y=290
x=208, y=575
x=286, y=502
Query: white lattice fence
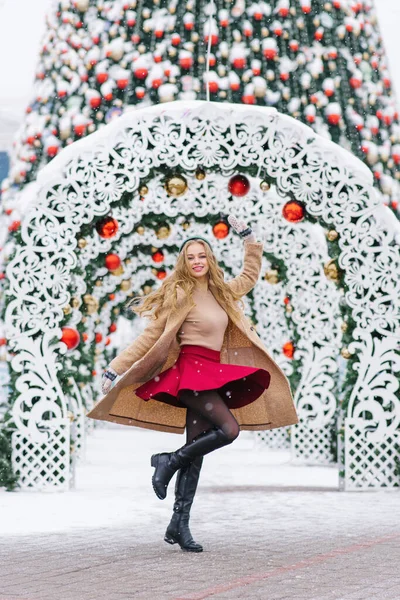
x=370, y=462
x=276, y=439
x=44, y=464
x=312, y=445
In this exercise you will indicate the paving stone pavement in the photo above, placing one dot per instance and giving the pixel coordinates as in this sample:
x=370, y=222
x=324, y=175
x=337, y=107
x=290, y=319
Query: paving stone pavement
x=270, y=531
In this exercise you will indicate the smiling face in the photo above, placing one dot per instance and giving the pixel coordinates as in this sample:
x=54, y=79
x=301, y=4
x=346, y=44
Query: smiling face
x=197, y=260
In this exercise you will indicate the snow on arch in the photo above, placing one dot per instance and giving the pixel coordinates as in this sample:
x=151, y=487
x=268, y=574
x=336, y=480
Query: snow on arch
x=225, y=137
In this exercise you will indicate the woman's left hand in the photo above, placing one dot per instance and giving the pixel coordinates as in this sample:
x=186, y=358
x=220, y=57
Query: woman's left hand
x=240, y=227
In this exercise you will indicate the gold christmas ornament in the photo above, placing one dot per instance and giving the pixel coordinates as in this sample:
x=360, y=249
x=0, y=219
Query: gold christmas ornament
x=82, y=243
x=185, y=225
x=272, y=276
x=331, y=271
x=147, y=289
x=143, y=190
x=118, y=271
x=345, y=353
x=344, y=326
x=67, y=310
x=116, y=311
x=200, y=174
x=128, y=261
x=140, y=230
x=92, y=304
x=289, y=308
x=71, y=415
x=125, y=285
x=99, y=283
x=265, y=186
x=176, y=185
x=163, y=232
x=332, y=235
x=75, y=302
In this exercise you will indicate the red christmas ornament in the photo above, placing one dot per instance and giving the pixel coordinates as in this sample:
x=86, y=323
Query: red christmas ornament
x=94, y=373
x=122, y=83
x=98, y=337
x=108, y=341
x=14, y=226
x=70, y=337
x=288, y=349
x=107, y=227
x=283, y=12
x=141, y=73
x=52, y=151
x=80, y=130
x=186, y=62
x=286, y=300
x=161, y=274
x=214, y=39
x=249, y=99
x=293, y=211
x=220, y=230
x=213, y=86
x=112, y=261
x=95, y=101
x=3, y=341
x=102, y=77
x=158, y=256
x=111, y=296
x=112, y=328
x=85, y=337
x=2, y=276
x=333, y=119
x=355, y=82
x=270, y=53
x=319, y=34
x=239, y=185
x=239, y=63
x=155, y=84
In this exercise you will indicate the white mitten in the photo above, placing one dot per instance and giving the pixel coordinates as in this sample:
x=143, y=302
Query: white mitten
x=244, y=230
x=108, y=377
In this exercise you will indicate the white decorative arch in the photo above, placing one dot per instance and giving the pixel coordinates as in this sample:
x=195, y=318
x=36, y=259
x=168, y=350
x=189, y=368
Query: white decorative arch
x=89, y=178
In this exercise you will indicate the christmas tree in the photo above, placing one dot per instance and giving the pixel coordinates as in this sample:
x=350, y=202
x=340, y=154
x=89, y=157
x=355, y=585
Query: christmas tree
x=320, y=62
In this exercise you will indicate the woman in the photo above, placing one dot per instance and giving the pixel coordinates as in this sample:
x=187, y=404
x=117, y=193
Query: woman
x=200, y=366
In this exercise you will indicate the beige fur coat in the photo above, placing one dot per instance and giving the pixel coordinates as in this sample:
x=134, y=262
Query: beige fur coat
x=157, y=349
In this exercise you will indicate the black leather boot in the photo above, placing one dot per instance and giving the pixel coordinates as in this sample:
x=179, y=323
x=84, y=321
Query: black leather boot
x=178, y=531
x=167, y=463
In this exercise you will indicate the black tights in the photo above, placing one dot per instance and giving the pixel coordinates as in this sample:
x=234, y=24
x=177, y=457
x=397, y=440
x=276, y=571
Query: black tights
x=206, y=410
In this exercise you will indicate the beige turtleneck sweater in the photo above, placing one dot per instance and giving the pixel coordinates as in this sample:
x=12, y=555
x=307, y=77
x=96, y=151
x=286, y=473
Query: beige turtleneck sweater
x=205, y=324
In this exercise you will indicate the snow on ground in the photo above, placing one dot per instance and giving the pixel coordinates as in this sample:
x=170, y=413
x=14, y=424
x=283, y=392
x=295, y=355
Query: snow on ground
x=113, y=486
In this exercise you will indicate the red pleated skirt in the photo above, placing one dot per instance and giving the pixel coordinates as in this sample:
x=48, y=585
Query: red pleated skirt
x=198, y=369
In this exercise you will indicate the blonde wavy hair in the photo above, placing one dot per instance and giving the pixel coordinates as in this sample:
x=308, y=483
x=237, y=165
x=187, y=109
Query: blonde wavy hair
x=166, y=294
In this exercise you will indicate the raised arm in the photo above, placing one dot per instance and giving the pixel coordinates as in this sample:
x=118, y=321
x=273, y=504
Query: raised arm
x=253, y=251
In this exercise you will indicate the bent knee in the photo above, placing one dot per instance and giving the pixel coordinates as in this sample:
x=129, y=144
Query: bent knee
x=230, y=432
